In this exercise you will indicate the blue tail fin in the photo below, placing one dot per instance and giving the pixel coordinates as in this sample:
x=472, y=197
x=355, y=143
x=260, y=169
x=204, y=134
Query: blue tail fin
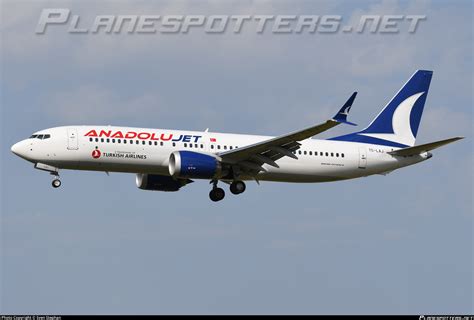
x=397, y=124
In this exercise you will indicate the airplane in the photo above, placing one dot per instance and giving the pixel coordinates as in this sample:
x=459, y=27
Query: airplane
x=167, y=160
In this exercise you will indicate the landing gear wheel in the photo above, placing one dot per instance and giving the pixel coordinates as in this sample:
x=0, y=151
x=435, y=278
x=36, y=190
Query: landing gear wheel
x=217, y=194
x=56, y=183
x=237, y=187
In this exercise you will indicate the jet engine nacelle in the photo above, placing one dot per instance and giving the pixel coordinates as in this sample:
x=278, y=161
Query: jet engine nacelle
x=189, y=164
x=159, y=183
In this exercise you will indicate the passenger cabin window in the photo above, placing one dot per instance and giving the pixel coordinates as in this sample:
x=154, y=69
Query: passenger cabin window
x=342, y=155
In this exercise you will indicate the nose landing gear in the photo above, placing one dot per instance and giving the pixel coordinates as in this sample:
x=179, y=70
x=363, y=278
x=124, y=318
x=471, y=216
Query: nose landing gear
x=56, y=183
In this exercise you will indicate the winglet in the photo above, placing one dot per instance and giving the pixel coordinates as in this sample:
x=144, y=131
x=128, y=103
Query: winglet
x=341, y=116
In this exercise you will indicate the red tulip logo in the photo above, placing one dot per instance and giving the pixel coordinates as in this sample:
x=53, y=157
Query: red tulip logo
x=96, y=154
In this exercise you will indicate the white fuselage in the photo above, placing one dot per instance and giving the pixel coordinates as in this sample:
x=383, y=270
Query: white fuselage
x=138, y=150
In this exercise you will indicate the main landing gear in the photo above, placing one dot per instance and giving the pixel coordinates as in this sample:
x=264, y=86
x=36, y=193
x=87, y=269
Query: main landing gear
x=217, y=194
x=237, y=187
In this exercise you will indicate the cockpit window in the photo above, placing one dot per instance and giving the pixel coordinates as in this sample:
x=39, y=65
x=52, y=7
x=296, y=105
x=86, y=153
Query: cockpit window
x=40, y=136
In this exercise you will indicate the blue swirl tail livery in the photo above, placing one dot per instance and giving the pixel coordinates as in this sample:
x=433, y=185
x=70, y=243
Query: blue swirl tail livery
x=397, y=124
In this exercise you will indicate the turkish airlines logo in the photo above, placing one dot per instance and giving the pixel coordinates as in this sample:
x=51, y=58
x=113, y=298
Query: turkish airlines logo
x=96, y=154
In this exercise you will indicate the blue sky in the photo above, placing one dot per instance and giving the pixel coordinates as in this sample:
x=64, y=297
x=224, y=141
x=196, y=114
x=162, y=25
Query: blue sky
x=396, y=244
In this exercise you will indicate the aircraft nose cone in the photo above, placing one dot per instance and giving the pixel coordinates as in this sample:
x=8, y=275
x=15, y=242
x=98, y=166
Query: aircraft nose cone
x=23, y=150
x=16, y=148
x=20, y=149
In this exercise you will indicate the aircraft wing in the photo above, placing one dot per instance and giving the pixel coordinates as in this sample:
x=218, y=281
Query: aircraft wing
x=252, y=157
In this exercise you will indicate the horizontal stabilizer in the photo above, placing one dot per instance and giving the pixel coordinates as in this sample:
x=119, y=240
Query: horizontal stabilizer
x=410, y=151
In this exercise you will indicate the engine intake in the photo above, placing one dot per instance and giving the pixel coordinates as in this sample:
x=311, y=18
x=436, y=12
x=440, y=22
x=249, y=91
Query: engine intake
x=189, y=164
x=159, y=183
